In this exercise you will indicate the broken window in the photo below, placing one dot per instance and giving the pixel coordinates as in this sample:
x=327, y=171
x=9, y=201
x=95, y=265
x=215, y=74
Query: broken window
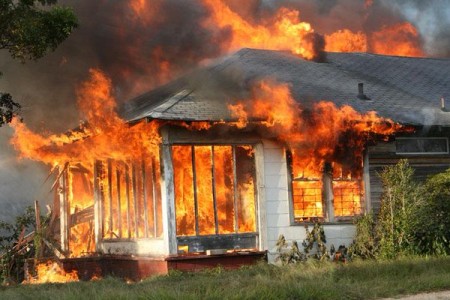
x=130, y=196
x=326, y=193
x=214, y=195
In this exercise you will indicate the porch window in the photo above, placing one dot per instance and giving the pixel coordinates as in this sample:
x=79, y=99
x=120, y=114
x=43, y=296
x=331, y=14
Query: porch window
x=214, y=196
x=325, y=193
x=130, y=197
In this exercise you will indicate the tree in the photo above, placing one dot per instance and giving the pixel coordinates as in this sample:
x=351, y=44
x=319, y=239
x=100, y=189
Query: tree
x=28, y=30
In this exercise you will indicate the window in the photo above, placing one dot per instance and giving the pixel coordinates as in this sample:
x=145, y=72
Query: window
x=131, y=199
x=214, y=195
x=324, y=192
x=432, y=145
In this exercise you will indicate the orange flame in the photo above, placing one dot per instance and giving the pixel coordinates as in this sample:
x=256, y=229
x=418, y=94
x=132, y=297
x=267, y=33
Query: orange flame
x=51, y=272
x=284, y=32
x=322, y=134
x=104, y=136
x=400, y=39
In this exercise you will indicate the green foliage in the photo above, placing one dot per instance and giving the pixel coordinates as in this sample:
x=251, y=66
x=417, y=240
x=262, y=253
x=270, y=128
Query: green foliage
x=400, y=200
x=311, y=280
x=28, y=30
x=12, y=257
x=8, y=109
x=413, y=219
x=431, y=222
x=364, y=245
x=31, y=28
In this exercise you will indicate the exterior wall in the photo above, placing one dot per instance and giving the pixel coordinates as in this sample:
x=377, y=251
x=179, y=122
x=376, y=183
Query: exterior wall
x=278, y=204
x=384, y=154
x=141, y=247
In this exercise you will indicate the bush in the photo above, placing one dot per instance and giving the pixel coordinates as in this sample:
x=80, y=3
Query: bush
x=431, y=222
x=413, y=218
x=400, y=201
x=364, y=245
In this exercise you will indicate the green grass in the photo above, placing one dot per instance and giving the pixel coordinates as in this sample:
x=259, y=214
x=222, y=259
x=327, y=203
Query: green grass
x=313, y=280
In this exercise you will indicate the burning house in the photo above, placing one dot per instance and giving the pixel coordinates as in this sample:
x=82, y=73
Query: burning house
x=211, y=168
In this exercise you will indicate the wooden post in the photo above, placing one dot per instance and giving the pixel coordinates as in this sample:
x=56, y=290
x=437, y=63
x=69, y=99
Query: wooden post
x=366, y=182
x=98, y=211
x=260, y=197
x=40, y=244
x=328, y=192
x=64, y=209
x=168, y=194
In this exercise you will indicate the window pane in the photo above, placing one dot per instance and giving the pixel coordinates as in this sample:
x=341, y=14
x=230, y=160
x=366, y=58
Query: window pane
x=205, y=201
x=224, y=185
x=307, y=200
x=184, y=189
x=347, y=198
x=245, y=177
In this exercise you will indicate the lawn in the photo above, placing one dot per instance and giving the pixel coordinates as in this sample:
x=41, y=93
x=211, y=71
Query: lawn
x=312, y=280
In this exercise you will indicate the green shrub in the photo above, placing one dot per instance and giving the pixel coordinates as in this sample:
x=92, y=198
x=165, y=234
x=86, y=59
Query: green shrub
x=400, y=201
x=431, y=222
x=364, y=245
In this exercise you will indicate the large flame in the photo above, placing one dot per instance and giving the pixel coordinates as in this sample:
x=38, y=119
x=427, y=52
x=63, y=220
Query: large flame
x=400, y=39
x=109, y=135
x=104, y=136
x=284, y=32
x=51, y=272
x=321, y=135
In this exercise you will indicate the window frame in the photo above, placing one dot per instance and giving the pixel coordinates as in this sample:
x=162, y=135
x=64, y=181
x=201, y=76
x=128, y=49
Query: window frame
x=240, y=240
x=327, y=181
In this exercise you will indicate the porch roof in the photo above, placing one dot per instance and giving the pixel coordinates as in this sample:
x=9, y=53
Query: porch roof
x=407, y=90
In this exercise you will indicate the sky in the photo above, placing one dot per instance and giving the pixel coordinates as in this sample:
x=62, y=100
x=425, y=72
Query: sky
x=141, y=44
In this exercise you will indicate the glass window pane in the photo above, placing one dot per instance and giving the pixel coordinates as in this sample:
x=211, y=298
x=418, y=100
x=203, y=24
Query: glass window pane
x=307, y=200
x=347, y=198
x=224, y=185
x=184, y=190
x=245, y=179
x=205, y=200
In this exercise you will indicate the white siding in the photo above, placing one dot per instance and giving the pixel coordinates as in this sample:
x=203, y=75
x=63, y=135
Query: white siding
x=278, y=216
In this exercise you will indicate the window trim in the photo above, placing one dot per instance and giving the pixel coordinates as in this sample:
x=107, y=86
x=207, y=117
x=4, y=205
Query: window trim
x=193, y=240
x=422, y=153
x=327, y=194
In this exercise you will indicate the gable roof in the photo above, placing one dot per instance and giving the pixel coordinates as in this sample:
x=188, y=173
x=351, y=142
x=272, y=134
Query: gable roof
x=407, y=90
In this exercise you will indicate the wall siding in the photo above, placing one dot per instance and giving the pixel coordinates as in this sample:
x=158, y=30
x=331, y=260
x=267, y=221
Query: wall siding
x=383, y=155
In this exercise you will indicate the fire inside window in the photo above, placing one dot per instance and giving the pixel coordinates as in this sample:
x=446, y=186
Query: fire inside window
x=214, y=194
x=131, y=199
x=325, y=193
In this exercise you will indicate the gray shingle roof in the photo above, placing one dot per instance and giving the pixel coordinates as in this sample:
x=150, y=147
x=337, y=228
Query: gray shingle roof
x=407, y=90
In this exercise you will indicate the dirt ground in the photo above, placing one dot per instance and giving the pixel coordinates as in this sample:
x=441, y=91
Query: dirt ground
x=444, y=295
